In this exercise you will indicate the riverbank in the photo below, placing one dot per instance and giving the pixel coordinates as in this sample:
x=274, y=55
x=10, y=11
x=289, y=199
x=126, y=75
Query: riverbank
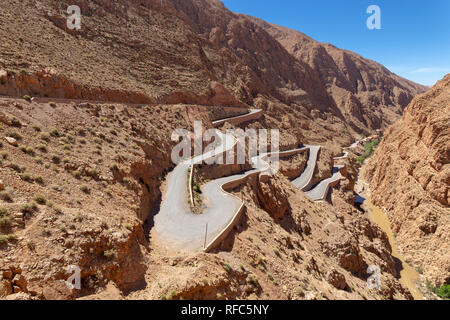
x=409, y=277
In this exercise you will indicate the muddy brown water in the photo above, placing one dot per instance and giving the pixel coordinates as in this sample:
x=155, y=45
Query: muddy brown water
x=408, y=275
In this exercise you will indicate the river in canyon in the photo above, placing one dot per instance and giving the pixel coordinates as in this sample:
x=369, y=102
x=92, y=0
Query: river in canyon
x=408, y=275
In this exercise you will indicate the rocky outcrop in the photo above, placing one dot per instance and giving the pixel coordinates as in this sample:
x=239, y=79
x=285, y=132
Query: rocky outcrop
x=216, y=95
x=409, y=176
x=294, y=166
x=48, y=83
x=337, y=279
x=12, y=281
x=271, y=198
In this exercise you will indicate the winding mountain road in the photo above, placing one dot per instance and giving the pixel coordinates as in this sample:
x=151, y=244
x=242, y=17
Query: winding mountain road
x=175, y=220
x=181, y=228
x=304, y=180
x=320, y=191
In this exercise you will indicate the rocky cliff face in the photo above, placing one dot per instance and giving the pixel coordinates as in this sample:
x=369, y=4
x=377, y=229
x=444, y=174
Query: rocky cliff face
x=195, y=51
x=365, y=92
x=79, y=187
x=410, y=176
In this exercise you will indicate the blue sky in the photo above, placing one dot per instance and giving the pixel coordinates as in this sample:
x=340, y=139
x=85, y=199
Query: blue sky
x=413, y=42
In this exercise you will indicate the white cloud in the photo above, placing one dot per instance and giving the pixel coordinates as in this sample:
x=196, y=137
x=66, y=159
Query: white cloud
x=428, y=70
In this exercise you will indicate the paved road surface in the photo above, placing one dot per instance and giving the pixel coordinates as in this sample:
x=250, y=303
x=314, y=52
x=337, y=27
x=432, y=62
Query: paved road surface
x=175, y=222
x=320, y=191
x=179, y=226
x=240, y=117
x=304, y=180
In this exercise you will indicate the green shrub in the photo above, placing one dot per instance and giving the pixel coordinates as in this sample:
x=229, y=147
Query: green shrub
x=36, y=128
x=15, y=135
x=3, y=212
x=12, y=237
x=70, y=138
x=76, y=174
x=15, y=122
x=361, y=159
x=29, y=208
x=5, y=222
x=27, y=150
x=444, y=291
x=172, y=295
x=300, y=292
x=110, y=254
x=369, y=148
x=57, y=210
x=253, y=280
x=54, y=132
x=3, y=239
x=128, y=226
x=45, y=136
x=5, y=218
x=26, y=177
x=5, y=196
x=80, y=131
x=197, y=188
x=85, y=189
x=16, y=168
x=40, y=199
x=41, y=147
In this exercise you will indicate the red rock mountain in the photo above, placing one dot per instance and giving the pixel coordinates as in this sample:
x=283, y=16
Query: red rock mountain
x=82, y=182
x=367, y=93
x=195, y=51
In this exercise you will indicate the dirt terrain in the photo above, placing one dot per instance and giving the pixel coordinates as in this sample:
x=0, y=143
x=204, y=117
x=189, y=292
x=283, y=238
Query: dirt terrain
x=86, y=143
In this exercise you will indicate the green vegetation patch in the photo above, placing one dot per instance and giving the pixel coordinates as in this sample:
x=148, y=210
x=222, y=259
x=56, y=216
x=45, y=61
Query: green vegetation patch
x=369, y=148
